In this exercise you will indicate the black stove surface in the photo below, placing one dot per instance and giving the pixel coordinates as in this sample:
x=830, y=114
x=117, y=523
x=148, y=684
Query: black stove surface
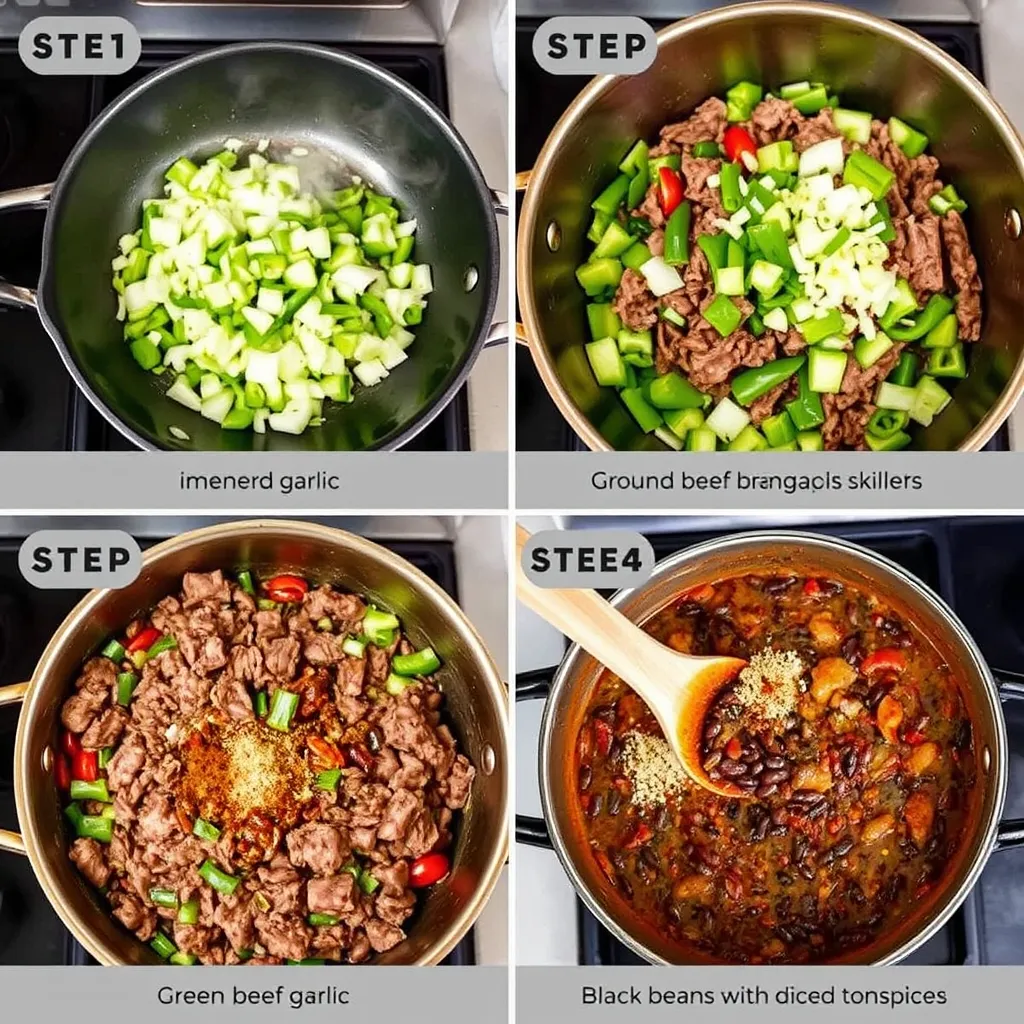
x=41, y=119
x=975, y=565
x=31, y=933
x=539, y=424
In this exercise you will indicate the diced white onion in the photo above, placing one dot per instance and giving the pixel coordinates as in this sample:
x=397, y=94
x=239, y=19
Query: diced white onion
x=660, y=276
x=749, y=161
x=714, y=180
x=824, y=156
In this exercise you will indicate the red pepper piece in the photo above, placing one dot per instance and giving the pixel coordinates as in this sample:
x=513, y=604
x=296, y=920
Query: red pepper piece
x=913, y=737
x=602, y=736
x=326, y=752
x=287, y=589
x=427, y=870
x=670, y=190
x=62, y=772
x=699, y=594
x=891, y=659
x=738, y=140
x=733, y=749
x=144, y=640
x=812, y=588
x=70, y=743
x=85, y=766
x=641, y=836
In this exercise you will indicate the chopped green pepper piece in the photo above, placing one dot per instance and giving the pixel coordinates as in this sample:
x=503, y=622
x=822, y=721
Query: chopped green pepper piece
x=81, y=790
x=328, y=779
x=759, y=380
x=114, y=651
x=938, y=307
x=220, y=880
x=647, y=417
x=126, y=683
x=609, y=201
x=677, y=236
x=723, y=315
x=805, y=410
x=948, y=362
x=206, y=830
x=886, y=422
x=162, y=946
x=419, y=663
x=163, y=898
x=673, y=391
x=188, y=912
x=283, y=706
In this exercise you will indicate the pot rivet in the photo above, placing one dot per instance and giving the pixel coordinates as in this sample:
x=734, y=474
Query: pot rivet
x=487, y=760
x=1012, y=224
x=554, y=236
x=470, y=278
x=986, y=760
x=47, y=758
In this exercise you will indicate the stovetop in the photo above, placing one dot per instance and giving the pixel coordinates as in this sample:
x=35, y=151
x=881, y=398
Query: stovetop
x=41, y=119
x=31, y=933
x=975, y=564
x=541, y=100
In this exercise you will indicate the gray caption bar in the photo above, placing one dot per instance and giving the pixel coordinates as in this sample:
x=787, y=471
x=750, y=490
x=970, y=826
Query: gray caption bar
x=623, y=481
x=770, y=995
x=264, y=482
x=226, y=995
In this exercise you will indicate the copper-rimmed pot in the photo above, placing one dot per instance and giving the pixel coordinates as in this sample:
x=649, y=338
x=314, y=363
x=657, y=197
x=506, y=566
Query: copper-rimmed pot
x=873, y=65
x=475, y=702
x=781, y=552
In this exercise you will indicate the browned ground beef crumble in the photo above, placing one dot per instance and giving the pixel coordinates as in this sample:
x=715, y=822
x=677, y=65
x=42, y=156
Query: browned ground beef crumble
x=396, y=804
x=930, y=252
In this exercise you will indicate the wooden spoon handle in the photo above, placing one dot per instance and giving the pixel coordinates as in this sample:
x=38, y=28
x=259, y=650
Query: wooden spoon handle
x=601, y=630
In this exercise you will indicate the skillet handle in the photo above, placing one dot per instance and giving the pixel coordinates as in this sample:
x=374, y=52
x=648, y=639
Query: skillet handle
x=533, y=685
x=11, y=842
x=35, y=197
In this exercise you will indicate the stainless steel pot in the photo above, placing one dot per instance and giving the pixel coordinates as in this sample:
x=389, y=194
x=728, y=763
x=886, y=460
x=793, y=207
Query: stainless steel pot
x=475, y=702
x=873, y=65
x=344, y=111
x=782, y=552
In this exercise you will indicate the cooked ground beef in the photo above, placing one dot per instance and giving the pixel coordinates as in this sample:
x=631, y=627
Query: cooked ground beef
x=929, y=251
x=190, y=745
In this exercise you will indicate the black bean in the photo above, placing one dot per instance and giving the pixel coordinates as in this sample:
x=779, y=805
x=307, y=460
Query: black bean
x=712, y=728
x=747, y=785
x=373, y=741
x=778, y=830
x=807, y=870
x=775, y=585
x=615, y=753
x=625, y=886
x=801, y=845
x=586, y=776
x=765, y=790
x=827, y=857
x=808, y=905
x=851, y=649
x=784, y=878
x=843, y=847
x=774, y=761
x=774, y=775
x=675, y=913
x=618, y=858
x=596, y=803
x=875, y=694
x=816, y=810
x=732, y=769
x=831, y=587
x=732, y=810
x=754, y=768
x=662, y=818
x=649, y=857
x=785, y=933
x=614, y=802
x=848, y=762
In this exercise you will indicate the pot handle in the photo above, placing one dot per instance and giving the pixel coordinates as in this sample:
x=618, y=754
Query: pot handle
x=498, y=333
x=35, y=197
x=11, y=842
x=1010, y=833
x=1009, y=684
x=535, y=685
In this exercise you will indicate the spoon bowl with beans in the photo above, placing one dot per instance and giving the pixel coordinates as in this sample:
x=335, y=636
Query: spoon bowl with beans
x=678, y=688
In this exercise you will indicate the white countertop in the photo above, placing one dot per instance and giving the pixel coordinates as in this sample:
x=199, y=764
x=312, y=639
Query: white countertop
x=479, y=108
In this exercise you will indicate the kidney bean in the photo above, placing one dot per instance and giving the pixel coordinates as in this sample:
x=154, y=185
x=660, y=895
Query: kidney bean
x=747, y=785
x=774, y=761
x=876, y=693
x=586, y=776
x=606, y=712
x=754, y=768
x=843, y=847
x=732, y=769
x=830, y=587
x=712, y=760
x=848, y=762
x=851, y=649
x=765, y=790
x=661, y=820
x=615, y=753
x=614, y=802
x=773, y=776
x=624, y=885
x=650, y=858
x=776, y=585
x=807, y=870
x=712, y=727
x=596, y=803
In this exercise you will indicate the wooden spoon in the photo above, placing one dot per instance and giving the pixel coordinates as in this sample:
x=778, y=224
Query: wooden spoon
x=678, y=688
